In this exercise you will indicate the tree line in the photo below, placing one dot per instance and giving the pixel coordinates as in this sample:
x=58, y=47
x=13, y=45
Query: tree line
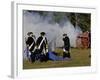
x=83, y=20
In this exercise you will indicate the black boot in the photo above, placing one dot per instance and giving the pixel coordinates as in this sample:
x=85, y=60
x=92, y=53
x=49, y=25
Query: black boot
x=64, y=54
x=32, y=58
x=68, y=55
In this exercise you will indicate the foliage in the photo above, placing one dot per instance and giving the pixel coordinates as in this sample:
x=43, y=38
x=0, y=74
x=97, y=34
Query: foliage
x=83, y=20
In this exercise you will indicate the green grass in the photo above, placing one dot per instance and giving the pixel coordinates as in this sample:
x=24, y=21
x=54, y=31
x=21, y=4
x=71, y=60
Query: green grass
x=79, y=57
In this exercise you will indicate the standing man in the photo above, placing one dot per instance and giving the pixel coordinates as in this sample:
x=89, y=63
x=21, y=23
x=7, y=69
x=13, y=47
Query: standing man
x=42, y=46
x=30, y=44
x=66, y=47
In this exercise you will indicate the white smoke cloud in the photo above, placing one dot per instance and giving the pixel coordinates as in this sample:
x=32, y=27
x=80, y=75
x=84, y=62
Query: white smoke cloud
x=36, y=23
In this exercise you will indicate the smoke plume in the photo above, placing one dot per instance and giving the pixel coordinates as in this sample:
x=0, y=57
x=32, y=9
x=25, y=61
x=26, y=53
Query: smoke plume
x=36, y=23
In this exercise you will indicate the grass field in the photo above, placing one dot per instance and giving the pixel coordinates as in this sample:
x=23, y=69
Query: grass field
x=79, y=57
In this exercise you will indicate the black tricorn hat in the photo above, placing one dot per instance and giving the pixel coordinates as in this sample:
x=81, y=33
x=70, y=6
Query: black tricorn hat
x=42, y=33
x=64, y=34
x=29, y=33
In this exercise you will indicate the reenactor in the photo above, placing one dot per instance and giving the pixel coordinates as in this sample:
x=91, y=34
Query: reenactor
x=66, y=48
x=30, y=44
x=42, y=47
